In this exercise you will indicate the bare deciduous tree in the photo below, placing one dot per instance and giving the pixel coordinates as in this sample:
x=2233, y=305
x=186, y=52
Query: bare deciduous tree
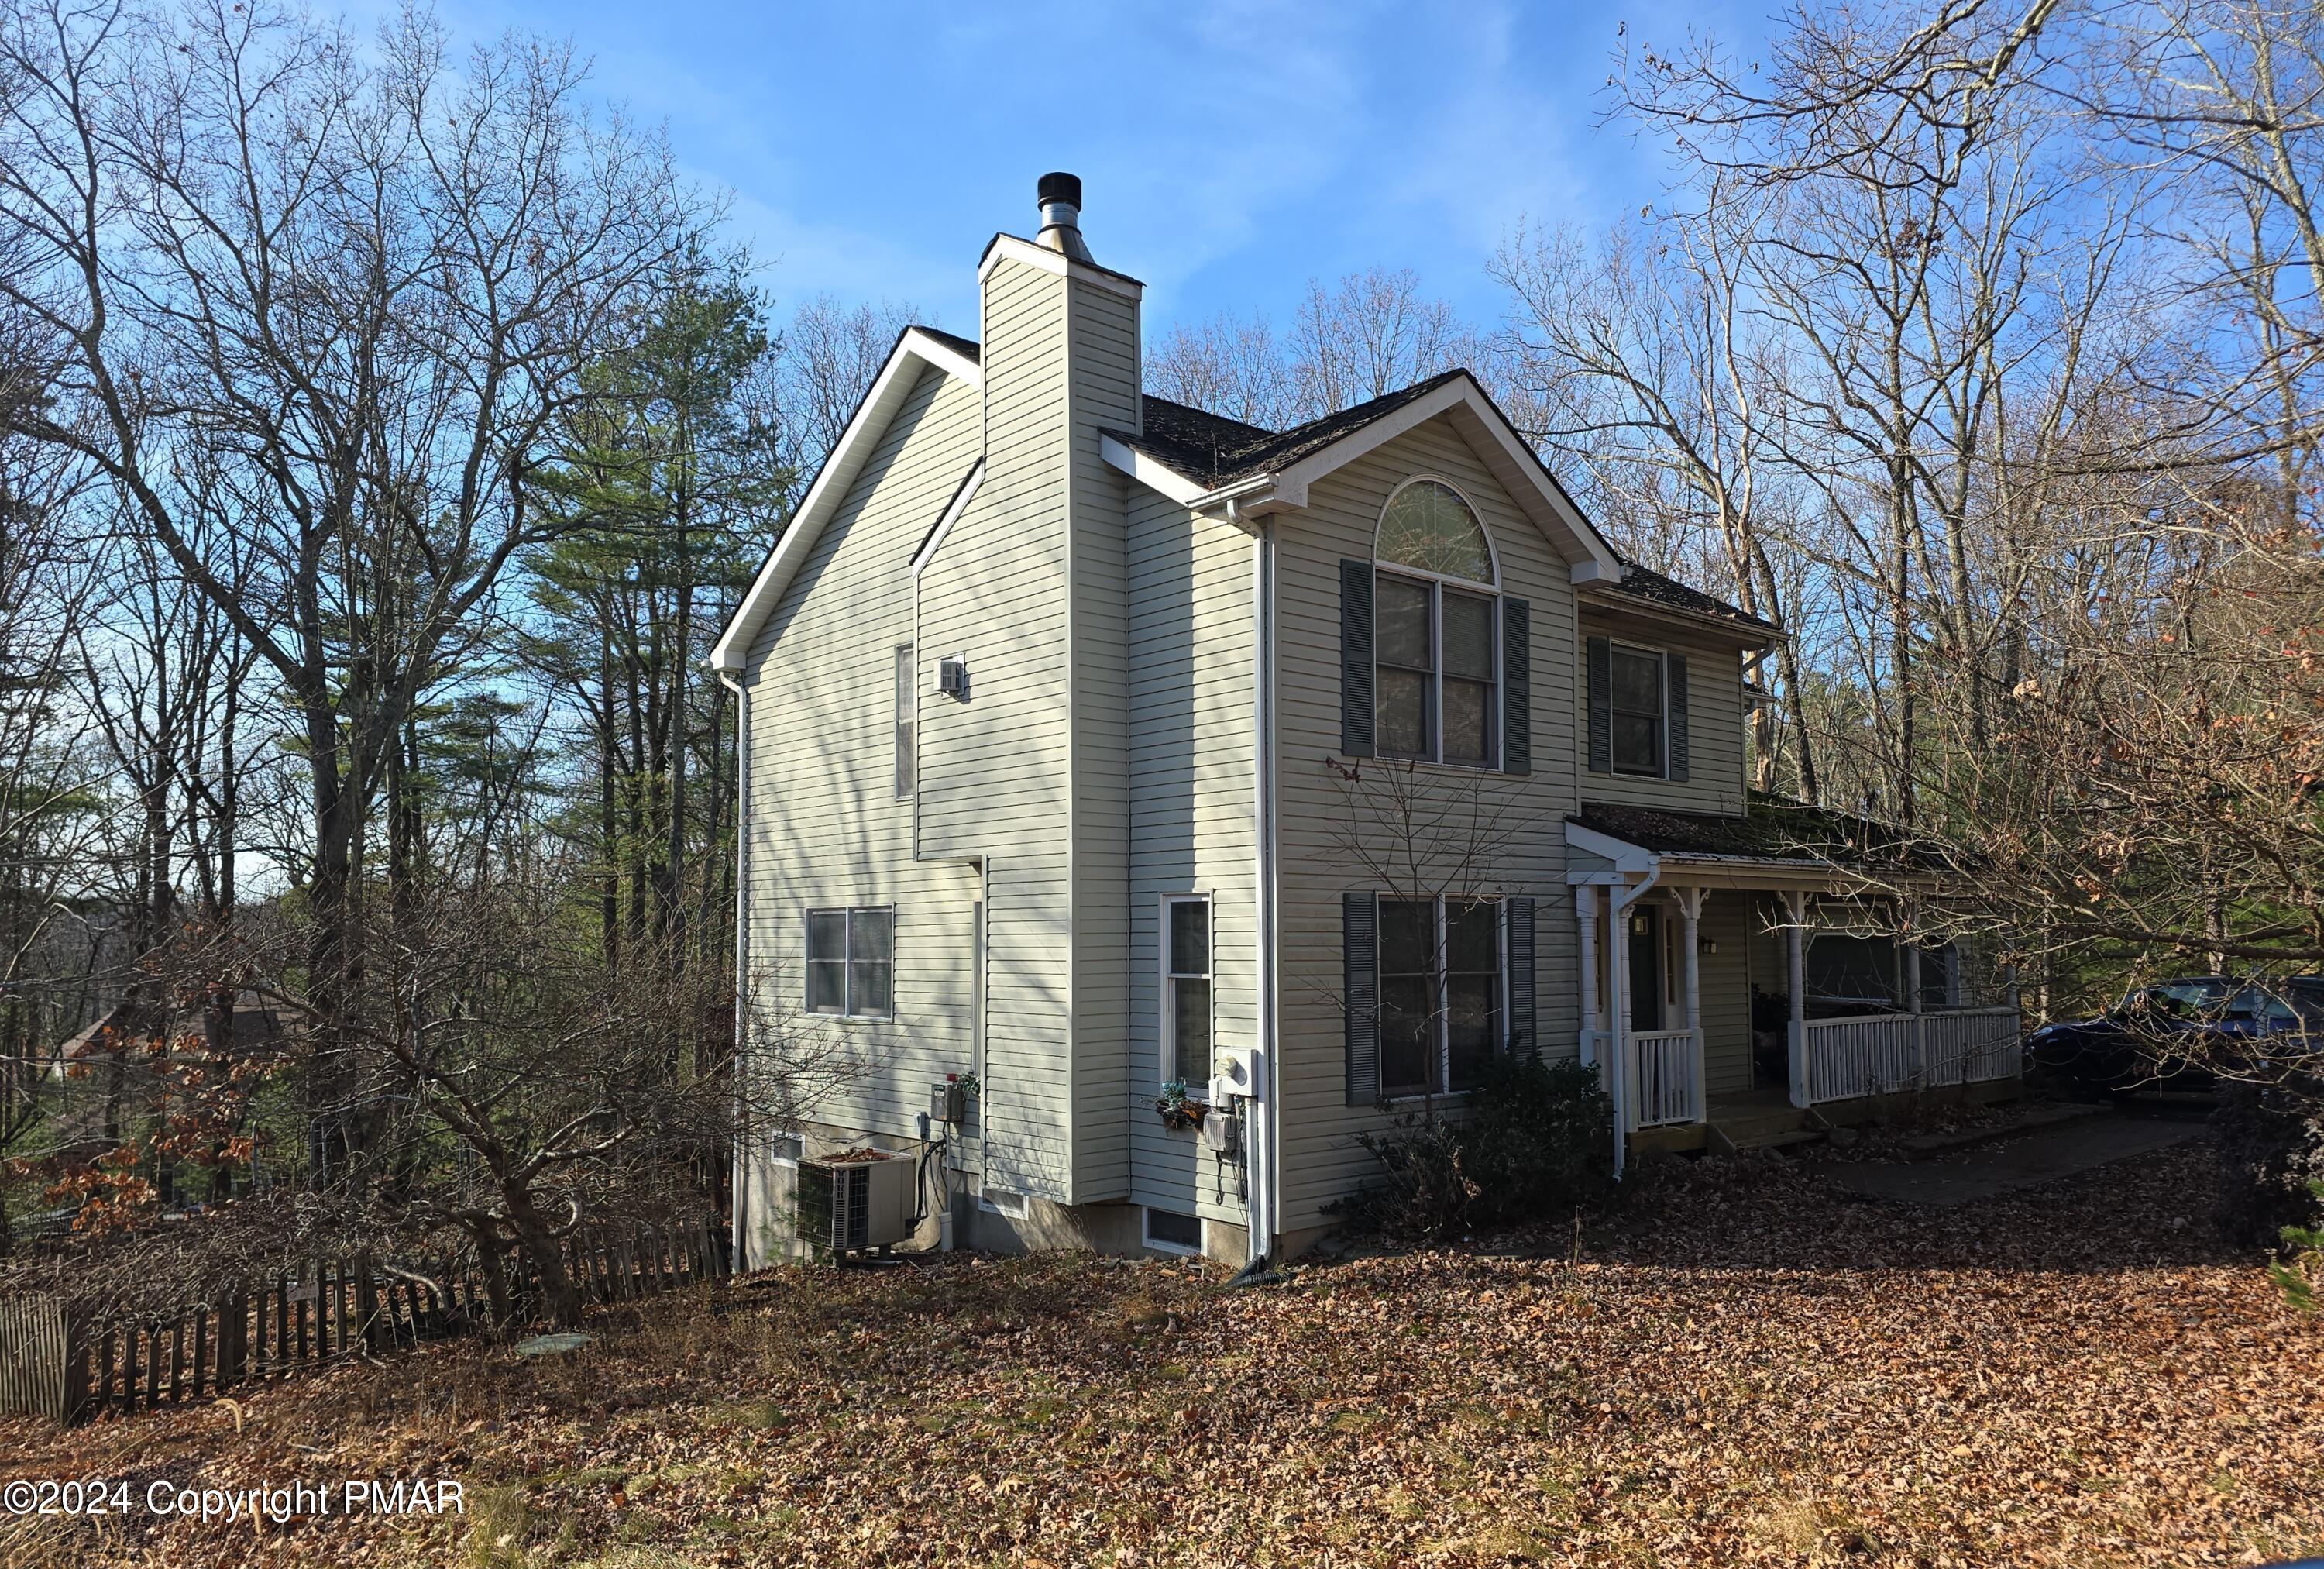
x=357, y=287
x=829, y=353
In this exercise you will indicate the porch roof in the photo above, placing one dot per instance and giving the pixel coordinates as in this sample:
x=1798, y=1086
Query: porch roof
x=1774, y=843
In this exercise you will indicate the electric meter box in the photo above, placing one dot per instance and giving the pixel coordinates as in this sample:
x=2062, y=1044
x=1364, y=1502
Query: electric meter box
x=948, y=1102
x=1234, y=1071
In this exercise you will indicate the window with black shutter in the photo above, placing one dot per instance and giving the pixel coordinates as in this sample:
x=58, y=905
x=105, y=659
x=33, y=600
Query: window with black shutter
x=1436, y=634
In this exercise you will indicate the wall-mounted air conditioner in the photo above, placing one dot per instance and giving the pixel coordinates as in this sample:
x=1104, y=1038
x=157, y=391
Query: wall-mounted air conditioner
x=862, y=1199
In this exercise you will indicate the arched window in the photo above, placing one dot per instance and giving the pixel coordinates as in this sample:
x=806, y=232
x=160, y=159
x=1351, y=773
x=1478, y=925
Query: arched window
x=1436, y=655
x=1429, y=528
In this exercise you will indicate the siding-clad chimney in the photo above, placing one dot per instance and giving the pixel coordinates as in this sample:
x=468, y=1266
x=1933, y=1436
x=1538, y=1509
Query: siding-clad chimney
x=1030, y=774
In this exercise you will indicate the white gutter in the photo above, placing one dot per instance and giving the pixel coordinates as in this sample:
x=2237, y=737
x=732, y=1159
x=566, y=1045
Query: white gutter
x=741, y=941
x=1259, y=1156
x=1246, y=499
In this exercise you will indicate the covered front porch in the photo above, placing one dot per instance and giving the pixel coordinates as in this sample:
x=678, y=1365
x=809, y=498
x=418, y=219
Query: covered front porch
x=1741, y=983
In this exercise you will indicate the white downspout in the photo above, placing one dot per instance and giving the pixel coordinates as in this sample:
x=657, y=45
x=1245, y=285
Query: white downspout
x=739, y=1180
x=1619, y=901
x=1259, y=1154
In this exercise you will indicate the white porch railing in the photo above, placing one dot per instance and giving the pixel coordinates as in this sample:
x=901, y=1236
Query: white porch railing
x=1665, y=1083
x=1883, y=1054
x=1973, y=1044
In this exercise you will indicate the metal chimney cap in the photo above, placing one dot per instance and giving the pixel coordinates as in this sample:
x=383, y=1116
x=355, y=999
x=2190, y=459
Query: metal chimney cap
x=1059, y=187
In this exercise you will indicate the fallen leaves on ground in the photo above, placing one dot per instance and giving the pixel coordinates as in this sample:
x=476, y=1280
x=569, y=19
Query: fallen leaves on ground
x=1747, y=1368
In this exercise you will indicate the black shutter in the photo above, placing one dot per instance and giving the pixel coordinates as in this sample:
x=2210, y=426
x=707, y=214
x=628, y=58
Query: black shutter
x=1601, y=706
x=1674, y=679
x=1359, y=955
x=1522, y=1036
x=1516, y=687
x=1356, y=658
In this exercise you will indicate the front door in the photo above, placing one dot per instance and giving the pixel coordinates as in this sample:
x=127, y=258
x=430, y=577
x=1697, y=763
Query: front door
x=1644, y=980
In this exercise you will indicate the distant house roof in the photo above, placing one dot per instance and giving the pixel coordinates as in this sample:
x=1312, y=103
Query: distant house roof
x=257, y=1018
x=1770, y=829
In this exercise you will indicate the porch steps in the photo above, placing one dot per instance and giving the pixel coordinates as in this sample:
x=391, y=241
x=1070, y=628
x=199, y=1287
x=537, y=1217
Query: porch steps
x=1762, y=1127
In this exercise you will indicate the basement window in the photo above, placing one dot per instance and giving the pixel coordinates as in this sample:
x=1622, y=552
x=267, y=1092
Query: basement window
x=1169, y=1232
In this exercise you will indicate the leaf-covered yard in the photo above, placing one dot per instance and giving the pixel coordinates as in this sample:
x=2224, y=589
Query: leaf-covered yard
x=1747, y=1369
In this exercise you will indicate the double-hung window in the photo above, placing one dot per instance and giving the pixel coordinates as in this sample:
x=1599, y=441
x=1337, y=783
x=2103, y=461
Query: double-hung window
x=1637, y=710
x=1187, y=989
x=1439, y=993
x=851, y=961
x=1435, y=660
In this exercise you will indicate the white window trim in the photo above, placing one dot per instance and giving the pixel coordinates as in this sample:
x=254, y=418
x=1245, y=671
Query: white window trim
x=998, y=1201
x=1441, y=1010
x=1166, y=1008
x=847, y=962
x=1662, y=720
x=1434, y=756
x=1437, y=582
x=1149, y=1240
x=904, y=676
x=786, y=1150
x=1492, y=551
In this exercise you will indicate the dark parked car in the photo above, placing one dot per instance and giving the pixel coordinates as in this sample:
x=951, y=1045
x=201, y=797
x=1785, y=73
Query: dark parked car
x=2163, y=1036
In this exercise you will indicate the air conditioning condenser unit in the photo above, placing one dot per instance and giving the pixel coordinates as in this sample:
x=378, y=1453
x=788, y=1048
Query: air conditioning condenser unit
x=861, y=1199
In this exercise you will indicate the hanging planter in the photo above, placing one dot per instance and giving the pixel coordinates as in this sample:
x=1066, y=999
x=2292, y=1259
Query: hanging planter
x=1178, y=1112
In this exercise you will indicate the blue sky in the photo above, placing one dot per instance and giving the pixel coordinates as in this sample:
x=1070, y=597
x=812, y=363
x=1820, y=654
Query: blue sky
x=1229, y=152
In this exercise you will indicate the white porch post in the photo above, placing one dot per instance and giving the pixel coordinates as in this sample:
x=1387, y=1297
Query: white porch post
x=1617, y=1052
x=1909, y=929
x=1690, y=909
x=1585, y=914
x=1795, y=906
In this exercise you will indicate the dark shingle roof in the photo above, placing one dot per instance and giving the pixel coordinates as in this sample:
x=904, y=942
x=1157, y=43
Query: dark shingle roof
x=968, y=346
x=1643, y=583
x=1192, y=441
x=1770, y=829
x=1218, y=452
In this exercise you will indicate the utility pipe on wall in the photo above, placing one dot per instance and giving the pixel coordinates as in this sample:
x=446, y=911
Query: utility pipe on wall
x=1259, y=1219
x=739, y=1223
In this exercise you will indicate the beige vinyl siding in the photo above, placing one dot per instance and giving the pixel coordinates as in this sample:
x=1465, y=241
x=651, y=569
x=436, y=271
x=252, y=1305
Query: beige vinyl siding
x=1714, y=720
x=1723, y=980
x=1192, y=818
x=825, y=826
x=1320, y=1161
x=1726, y=980
x=1101, y=327
x=995, y=769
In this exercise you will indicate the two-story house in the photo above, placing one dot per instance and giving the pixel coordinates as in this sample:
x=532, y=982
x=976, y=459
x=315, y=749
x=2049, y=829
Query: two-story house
x=1081, y=729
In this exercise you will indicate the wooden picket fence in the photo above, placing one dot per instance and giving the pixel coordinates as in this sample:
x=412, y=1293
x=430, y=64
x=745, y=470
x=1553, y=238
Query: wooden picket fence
x=61, y=1364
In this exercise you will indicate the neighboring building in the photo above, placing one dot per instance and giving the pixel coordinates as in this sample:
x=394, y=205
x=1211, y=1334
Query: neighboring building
x=1052, y=691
